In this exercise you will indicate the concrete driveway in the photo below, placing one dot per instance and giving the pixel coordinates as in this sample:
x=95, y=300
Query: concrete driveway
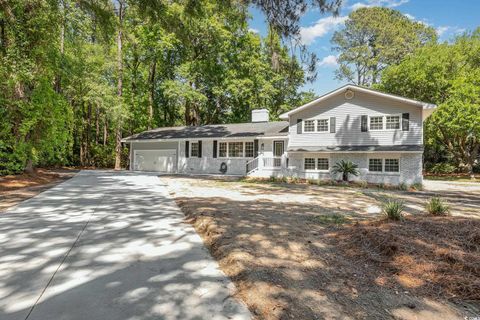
x=108, y=245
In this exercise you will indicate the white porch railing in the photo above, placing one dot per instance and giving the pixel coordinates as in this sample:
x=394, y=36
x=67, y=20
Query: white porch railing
x=261, y=163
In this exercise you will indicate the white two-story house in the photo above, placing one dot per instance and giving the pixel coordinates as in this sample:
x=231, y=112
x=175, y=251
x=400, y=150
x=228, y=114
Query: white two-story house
x=381, y=133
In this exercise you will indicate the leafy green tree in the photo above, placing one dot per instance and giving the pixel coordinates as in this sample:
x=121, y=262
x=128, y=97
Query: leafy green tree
x=449, y=76
x=77, y=76
x=375, y=38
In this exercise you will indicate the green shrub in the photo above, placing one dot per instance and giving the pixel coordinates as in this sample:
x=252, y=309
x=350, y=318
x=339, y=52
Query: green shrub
x=294, y=180
x=442, y=168
x=417, y=186
x=393, y=210
x=362, y=184
x=346, y=168
x=403, y=186
x=381, y=186
x=437, y=207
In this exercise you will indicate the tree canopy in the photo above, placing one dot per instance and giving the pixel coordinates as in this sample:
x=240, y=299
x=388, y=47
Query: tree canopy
x=447, y=74
x=77, y=76
x=374, y=38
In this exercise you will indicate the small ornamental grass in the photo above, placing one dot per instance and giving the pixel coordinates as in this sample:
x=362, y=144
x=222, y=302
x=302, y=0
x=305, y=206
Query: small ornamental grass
x=437, y=207
x=393, y=210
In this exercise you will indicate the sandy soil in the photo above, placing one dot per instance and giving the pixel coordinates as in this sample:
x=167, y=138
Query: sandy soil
x=17, y=188
x=317, y=252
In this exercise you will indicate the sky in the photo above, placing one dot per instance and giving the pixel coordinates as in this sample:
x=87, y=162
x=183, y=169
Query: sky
x=449, y=18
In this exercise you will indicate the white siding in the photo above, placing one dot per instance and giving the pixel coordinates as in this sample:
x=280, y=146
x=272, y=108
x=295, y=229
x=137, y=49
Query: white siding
x=410, y=167
x=207, y=164
x=348, y=116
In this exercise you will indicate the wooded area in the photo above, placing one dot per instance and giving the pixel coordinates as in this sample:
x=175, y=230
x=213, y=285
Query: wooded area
x=77, y=75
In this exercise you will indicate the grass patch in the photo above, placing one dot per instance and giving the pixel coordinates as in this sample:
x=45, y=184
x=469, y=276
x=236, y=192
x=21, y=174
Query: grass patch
x=453, y=177
x=329, y=219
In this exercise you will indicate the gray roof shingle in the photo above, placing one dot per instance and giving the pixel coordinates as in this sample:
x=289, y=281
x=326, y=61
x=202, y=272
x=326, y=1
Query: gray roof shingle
x=240, y=130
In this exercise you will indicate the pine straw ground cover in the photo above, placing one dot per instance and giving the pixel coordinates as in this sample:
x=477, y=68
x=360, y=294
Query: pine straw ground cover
x=16, y=188
x=294, y=261
x=433, y=256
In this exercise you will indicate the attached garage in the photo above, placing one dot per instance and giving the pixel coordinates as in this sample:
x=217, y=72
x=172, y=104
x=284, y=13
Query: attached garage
x=155, y=160
x=154, y=156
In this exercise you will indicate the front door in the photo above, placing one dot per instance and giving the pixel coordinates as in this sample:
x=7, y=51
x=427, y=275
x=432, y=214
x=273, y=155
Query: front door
x=278, y=150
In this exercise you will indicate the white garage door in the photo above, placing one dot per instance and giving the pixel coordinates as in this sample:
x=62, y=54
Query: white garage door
x=155, y=160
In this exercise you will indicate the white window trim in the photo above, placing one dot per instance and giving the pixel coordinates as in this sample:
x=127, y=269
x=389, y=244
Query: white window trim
x=190, y=147
x=328, y=126
x=315, y=125
x=384, y=121
x=383, y=172
x=370, y=122
x=316, y=170
x=243, y=150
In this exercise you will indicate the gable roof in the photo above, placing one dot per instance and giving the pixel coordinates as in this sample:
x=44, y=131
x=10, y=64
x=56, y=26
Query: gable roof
x=352, y=87
x=234, y=130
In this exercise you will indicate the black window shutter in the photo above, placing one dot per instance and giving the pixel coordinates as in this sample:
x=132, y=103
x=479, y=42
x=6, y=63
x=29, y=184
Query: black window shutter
x=187, y=148
x=405, y=121
x=299, y=126
x=199, y=148
x=214, y=148
x=255, y=148
x=332, y=124
x=364, y=124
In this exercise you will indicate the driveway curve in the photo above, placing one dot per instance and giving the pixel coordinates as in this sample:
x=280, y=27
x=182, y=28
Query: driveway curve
x=108, y=245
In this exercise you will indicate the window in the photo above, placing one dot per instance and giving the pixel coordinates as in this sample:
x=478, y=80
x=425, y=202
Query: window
x=309, y=164
x=235, y=149
x=375, y=165
x=322, y=164
x=249, y=152
x=392, y=122
x=392, y=165
x=322, y=125
x=309, y=126
x=376, y=123
x=222, y=150
x=194, y=149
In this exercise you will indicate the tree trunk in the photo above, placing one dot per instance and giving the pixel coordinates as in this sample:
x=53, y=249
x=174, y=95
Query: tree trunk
x=58, y=77
x=345, y=177
x=118, y=129
x=97, y=124
x=29, y=166
x=151, y=97
x=105, y=131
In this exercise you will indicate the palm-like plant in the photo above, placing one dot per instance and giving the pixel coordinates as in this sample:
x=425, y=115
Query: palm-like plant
x=345, y=168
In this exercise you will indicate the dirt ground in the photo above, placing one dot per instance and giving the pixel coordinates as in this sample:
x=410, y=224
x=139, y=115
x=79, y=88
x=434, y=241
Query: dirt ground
x=17, y=188
x=319, y=252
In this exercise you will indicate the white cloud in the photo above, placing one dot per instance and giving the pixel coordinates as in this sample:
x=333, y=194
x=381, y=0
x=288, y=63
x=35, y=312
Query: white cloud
x=320, y=28
x=378, y=3
x=328, y=61
x=450, y=30
x=409, y=16
x=441, y=30
x=253, y=30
